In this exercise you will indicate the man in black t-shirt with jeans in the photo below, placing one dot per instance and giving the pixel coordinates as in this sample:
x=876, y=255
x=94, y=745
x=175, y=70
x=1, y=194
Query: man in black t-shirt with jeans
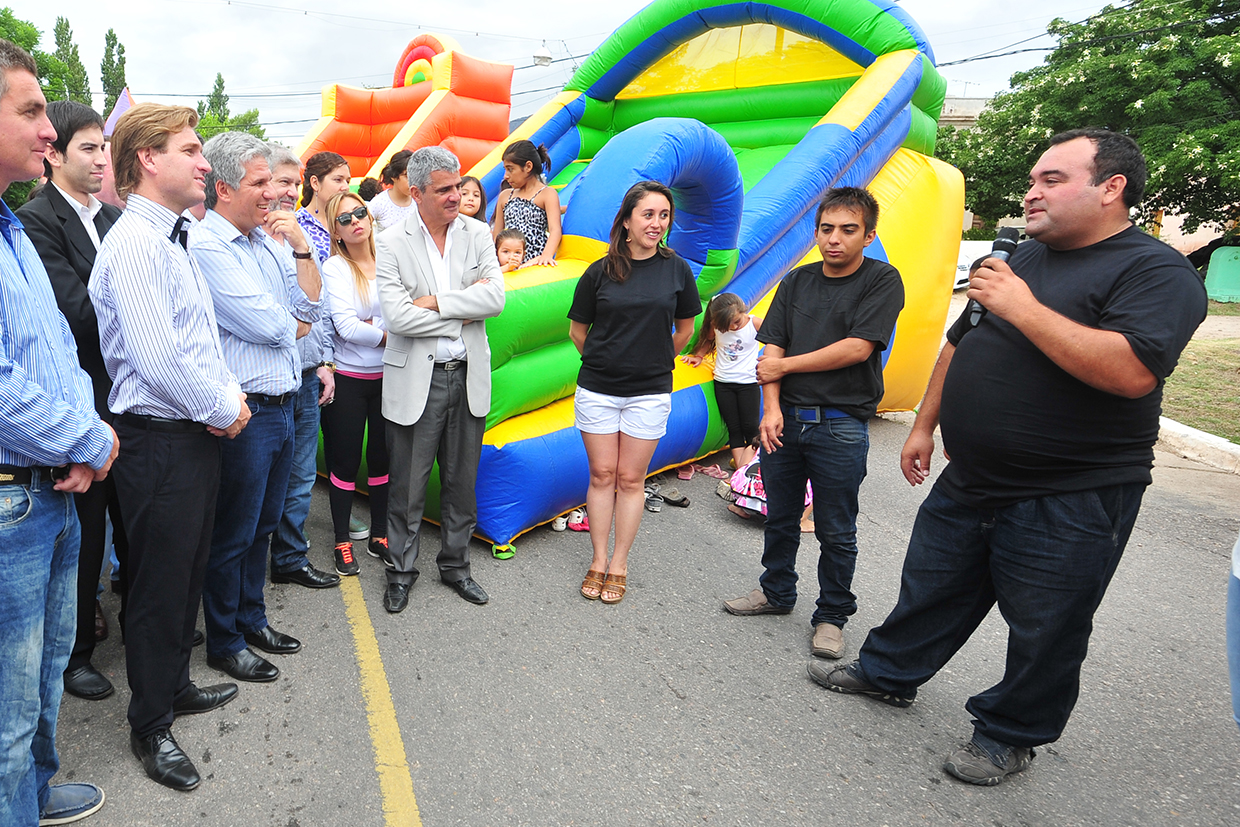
x=822, y=377
x=1049, y=412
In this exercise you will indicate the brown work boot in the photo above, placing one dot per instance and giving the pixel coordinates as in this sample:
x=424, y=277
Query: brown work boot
x=828, y=641
x=754, y=603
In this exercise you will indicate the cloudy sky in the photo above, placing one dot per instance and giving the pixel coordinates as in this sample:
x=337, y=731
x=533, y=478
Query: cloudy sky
x=275, y=55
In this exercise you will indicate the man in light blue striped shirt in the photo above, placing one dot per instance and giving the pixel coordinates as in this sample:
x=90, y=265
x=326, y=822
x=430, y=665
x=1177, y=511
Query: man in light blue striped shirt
x=263, y=306
x=173, y=396
x=52, y=444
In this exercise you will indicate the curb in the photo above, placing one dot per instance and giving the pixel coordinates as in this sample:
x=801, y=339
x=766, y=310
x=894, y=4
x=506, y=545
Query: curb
x=1193, y=444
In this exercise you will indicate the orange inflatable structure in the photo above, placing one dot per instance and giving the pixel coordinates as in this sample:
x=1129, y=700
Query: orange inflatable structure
x=439, y=97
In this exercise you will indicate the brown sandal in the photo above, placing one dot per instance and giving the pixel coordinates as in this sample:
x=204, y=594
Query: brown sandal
x=594, y=580
x=612, y=583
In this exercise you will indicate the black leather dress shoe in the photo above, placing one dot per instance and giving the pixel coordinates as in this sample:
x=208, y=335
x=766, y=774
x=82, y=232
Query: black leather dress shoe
x=245, y=666
x=199, y=637
x=396, y=597
x=307, y=576
x=273, y=642
x=469, y=590
x=87, y=682
x=164, y=761
x=204, y=699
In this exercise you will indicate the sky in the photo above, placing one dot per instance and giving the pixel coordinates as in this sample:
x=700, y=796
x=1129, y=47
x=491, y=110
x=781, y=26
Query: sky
x=276, y=55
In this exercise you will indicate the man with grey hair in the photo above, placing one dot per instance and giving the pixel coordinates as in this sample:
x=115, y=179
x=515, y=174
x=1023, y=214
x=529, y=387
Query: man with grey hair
x=263, y=305
x=437, y=279
x=289, y=544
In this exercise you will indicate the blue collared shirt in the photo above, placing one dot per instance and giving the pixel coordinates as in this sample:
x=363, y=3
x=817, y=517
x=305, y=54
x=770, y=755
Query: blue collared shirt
x=315, y=347
x=258, y=303
x=47, y=407
x=157, y=327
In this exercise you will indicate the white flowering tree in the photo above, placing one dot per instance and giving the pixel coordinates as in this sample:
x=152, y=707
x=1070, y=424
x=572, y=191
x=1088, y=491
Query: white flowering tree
x=1165, y=72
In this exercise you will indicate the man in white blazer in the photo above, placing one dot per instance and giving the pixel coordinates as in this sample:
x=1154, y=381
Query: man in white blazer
x=438, y=279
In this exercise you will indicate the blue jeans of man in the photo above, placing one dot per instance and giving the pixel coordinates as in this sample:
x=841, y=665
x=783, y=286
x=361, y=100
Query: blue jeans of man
x=1047, y=563
x=1233, y=637
x=832, y=456
x=39, y=536
x=290, y=544
x=254, y=476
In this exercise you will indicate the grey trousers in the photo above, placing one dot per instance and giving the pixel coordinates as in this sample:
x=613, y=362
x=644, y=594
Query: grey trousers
x=447, y=431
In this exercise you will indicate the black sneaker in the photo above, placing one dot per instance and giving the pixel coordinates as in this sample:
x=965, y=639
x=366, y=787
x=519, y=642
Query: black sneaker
x=346, y=565
x=378, y=548
x=844, y=679
x=974, y=765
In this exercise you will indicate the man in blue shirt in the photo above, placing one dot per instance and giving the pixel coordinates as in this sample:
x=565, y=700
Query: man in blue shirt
x=52, y=444
x=263, y=306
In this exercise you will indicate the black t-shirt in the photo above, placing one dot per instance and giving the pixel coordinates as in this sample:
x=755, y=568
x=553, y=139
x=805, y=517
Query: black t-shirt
x=1017, y=426
x=628, y=350
x=811, y=311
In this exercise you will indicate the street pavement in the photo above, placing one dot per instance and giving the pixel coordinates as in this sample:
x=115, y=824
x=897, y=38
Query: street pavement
x=543, y=708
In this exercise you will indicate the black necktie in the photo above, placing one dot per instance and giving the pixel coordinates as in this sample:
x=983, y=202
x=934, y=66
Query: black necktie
x=179, y=234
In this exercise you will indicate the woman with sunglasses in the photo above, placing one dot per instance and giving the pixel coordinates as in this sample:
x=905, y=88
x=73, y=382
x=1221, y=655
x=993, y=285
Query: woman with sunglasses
x=349, y=279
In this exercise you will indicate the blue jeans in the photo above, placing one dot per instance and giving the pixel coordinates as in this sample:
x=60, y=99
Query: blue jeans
x=832, y=455
x=254, y=476
x=1046, y=562
x=39, y=539
x=290, y=544
x=1233, y=641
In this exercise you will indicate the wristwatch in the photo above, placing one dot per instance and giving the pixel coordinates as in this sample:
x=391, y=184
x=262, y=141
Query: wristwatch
x=306, y=254
x=329, y=365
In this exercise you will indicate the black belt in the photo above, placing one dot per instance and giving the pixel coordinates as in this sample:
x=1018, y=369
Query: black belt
x=24, y=475
x=307, y=371
x=159, y=423
x=455, y=364
x=264, y=399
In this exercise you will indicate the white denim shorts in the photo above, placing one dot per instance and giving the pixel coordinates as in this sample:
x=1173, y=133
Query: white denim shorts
x=641, y=417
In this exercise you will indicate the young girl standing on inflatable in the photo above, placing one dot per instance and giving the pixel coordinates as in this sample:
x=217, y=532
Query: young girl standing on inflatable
x=624, y=311
x=729, y=330
x=530, y=205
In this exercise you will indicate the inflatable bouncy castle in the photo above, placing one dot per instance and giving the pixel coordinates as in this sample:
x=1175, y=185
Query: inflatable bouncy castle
x=748, y=112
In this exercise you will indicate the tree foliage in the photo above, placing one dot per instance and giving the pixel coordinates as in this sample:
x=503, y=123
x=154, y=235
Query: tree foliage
x=112, y=67
x=77, y=82
x=1165, y=73
x=53, y=73
x=214, y=116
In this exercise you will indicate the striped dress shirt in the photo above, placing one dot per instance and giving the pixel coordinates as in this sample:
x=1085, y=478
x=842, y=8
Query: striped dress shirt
x=257, y=303
x=47, y=406
x=157, y=327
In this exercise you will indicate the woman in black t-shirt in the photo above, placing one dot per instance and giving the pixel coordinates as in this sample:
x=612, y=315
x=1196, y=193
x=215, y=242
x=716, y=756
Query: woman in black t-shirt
x=622, y=319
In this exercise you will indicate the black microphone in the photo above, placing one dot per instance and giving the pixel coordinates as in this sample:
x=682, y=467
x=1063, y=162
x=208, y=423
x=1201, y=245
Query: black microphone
x=1004, y=246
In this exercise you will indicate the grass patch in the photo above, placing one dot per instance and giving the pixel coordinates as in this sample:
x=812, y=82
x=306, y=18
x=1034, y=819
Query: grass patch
x=1223, y=308
x=1204, y=391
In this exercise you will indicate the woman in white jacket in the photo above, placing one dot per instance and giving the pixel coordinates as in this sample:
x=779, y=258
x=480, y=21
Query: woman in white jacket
x=349, y=278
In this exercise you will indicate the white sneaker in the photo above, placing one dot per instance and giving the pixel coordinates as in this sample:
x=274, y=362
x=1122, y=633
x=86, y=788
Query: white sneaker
x=559, y=523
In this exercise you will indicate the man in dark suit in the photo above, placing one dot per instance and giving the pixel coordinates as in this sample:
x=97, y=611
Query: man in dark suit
x=66, y=222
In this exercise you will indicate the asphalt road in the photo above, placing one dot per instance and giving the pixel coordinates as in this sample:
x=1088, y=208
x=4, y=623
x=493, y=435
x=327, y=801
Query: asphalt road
x=542, y=708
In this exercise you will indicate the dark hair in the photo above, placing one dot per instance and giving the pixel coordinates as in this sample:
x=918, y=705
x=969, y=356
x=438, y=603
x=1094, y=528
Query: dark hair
x=397, y=166
x=522, y=152
x=721, y=311
x=368, y=189
x=850, y=198
x=619, y=263
x=67, y=118
x=13, y=57
x=1114, y=154
x=317, y=166
x=510, y=233
x=481, y=215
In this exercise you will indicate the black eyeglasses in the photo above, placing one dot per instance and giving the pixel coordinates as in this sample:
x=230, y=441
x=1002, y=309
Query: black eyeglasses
x=345, y=219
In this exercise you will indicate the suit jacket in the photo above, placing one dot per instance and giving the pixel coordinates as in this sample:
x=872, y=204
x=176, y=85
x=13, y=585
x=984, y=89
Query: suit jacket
x=403, y=273
x=68, y=255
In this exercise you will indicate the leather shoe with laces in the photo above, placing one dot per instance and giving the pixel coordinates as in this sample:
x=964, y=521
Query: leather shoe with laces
x=273, y=642
x=87, y=682
x=307, y=576
x=396, y=597
x=245, y=666
x=469, y=590
x=164, y=761
x=204, y=699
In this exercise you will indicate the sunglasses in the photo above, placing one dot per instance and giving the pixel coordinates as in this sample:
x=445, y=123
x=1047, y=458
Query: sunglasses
x=345, y=219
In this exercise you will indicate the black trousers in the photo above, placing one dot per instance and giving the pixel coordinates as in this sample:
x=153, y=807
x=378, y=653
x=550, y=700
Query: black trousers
x=93, y=508
x=740, y=408
x=356, y=416
x=167, y=484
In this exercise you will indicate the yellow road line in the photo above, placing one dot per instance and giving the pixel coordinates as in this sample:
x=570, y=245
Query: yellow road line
x=400, y=807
